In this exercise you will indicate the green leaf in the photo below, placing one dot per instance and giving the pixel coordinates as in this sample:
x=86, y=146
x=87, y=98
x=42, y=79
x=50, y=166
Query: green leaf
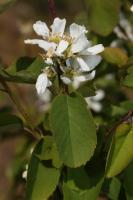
x=128, y=81
x=128, y=179
x=71, y=192
x=4, y=6
x=103, y=15
x=49, y=152
x=9, y=119
x=74, y=129
x=121, y=153
x=41, y=180
x=115, y=56
x=114, y=189
x=24, y=70
x=128, y=197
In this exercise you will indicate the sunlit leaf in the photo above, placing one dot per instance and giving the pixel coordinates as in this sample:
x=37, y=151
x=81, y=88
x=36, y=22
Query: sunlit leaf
x=121, y=152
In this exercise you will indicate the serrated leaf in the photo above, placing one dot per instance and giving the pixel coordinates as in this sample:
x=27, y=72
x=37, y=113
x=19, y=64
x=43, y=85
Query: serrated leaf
x=4, y=6
x=73, y=129
x=49, y=152
x=71, y=192
x=115, y=56
x=103, y=15
x=41, y=180
x=121, y=153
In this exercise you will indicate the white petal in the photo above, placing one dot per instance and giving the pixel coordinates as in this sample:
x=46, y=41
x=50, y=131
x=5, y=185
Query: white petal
x=41, y=28
x=66, y=80
x=46, y=97
x=131, y=8
x=41, y=84
x=42, y=44
x=61, y=47
x=93, y=50
x=58, y=26
x=96, y=106
x=49, y=61
x=91, y=75
x=119, y=33
x=91, y=61
x=80, y=44
x=72, y=63
x=99, y=96
x=83, y=65
x=76, y=30
x=78, y=80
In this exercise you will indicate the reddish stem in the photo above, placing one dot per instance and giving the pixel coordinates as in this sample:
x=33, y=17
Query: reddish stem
x=52, y=8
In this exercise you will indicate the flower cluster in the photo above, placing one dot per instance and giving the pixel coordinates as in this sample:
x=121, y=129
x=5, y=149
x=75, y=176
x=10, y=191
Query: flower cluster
x=69, y=53
x=124, y=30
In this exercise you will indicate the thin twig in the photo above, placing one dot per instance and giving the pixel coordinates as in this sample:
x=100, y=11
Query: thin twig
x=52, y=8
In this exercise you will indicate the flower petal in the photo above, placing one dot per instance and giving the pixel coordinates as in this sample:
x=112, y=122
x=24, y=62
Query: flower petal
x=78, y=80
x=91, y=75
x=82, y=64
x=66, y=80
x=41, y=28
x=41, y=84
x=99, y=96
x=89, y=61
x=42, y=44
x=61, y=47
x=76, y=30
x=93, y=50
x=49, y=61
x=58, y=26
x=80, y=44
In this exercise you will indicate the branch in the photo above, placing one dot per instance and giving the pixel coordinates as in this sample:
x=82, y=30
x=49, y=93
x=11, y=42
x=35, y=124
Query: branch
x=52, y=8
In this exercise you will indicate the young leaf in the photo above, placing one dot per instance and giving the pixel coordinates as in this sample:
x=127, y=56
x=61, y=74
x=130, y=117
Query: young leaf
x=74, y=129
x=103, y=15
x=115, y=56
x=121, y=153
x=41, y=180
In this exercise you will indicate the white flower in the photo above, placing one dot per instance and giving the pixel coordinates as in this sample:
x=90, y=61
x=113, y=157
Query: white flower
x=42, y=83
x=131, y=8
x=25, y=172
x=71, y=51
x=56, y=42
x=76, y=80
x=126, y=26
x=94, y=102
